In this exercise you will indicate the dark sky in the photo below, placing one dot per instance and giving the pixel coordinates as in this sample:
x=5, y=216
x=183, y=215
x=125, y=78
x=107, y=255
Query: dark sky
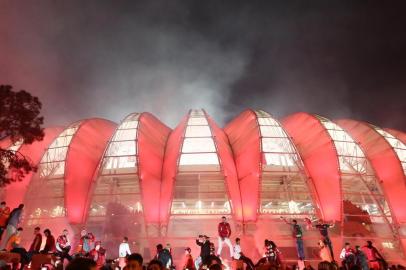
x=109, y=58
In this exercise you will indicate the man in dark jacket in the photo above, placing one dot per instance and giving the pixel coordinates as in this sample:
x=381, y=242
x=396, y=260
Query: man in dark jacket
x=165, y=257
x=204, y=243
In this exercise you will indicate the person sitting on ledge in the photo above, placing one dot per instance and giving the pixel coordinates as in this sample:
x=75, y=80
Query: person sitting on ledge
x=50, y=246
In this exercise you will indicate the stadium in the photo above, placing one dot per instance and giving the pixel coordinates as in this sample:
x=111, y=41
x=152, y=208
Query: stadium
x=141, y=179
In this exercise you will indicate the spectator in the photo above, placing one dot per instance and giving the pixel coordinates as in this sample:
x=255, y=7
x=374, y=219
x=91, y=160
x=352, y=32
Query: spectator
x=12, y=223
x=224, y=231
x=361, y=259
x=155, y=265
x=14, y=240
x=98, y=254
x=134, y=262
x=297, y=233
x=63, y=246
x=375, y=259
x=49, y=243
x=324, y=265
x=188, y=261
x=165, y=257
x=204, y=243
x=348, y=256
x=239, y=255
x=324, y=252
x=123, y=251
x=323, y=228
x=81, y=264
x=215, y=266
x=14, y=246
x=36, y=243
x=4, y=215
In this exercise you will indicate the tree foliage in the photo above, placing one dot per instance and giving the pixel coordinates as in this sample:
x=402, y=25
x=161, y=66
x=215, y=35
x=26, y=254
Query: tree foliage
x=20, y=122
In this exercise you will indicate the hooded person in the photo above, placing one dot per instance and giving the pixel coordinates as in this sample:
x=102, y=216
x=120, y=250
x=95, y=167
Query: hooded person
x=188, y=263
x=98, y=254
x=165, y=257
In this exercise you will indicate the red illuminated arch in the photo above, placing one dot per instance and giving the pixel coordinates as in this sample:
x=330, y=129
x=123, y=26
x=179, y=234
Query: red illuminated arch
x=320, y=158
x=228, y=167
x=398, y=134
x=85, y=151
x=170, y=168
x=151, y=141
x=171, y=163
x=243, y=134
x=385, y=162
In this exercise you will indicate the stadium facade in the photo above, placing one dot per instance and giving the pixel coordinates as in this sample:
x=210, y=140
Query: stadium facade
x=143, y=180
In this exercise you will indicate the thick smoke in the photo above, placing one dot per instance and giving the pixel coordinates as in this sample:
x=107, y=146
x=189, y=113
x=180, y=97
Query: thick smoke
x=107, y=58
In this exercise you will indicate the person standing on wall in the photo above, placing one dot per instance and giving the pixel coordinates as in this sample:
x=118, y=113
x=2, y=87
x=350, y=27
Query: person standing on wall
x=375, y=259
x=123, y=251
x=323, y=229
x=224, y=231
x=298, y=235
x=204, y=243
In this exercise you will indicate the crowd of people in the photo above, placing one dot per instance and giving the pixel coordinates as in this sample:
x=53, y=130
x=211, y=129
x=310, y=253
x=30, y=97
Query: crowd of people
x=90, y=254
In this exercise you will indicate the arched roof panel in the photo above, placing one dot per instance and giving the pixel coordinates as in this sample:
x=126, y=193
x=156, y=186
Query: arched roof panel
x=228, y=166
x=243, y=135
x=398, y=134
x=83, y=156
x=170, y=168
x=397, y=145
x=320, y=158
x=16, y=191
x=152, y=138
x=384, y=160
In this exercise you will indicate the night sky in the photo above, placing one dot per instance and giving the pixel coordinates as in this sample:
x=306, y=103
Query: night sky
x=339, y=59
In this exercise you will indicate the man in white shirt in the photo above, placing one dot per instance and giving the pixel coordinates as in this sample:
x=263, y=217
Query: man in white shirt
x=238, y=255
x=123, y=252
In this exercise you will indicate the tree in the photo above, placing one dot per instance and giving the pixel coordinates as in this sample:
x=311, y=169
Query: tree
x=20, y=121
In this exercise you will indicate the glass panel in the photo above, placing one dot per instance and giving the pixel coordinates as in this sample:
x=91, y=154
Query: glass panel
x=280, y=159
x=199, y=159
x=124, y=148
x=276, y=145
x=193, y=145
x=120, y=162
x=198, y=131
x=363, y=200
x=196, y=194
x=125, y=135
x=398, y=146
x=194, y=121
x=129, y=125
x=272, y=131
x=267, y=122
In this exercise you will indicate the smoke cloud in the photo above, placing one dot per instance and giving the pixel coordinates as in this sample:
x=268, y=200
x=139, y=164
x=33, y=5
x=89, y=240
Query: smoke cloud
x=108, y=58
